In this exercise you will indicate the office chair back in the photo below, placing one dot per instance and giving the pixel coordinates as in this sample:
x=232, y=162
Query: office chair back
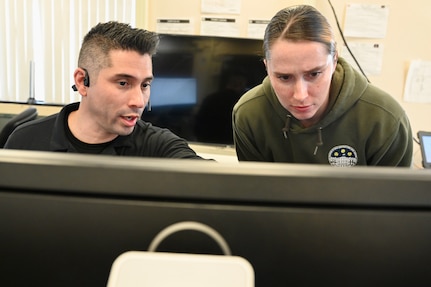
x=23, y=117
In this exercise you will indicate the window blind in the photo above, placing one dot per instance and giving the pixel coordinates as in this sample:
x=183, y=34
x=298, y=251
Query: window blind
x=42, y=38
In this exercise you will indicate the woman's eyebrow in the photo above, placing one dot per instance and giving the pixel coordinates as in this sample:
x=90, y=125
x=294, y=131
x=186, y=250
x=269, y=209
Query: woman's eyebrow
x=318, y=68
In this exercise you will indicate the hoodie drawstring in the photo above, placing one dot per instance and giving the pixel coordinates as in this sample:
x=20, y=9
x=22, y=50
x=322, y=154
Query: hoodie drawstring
x=286, y=128
x=319, y=140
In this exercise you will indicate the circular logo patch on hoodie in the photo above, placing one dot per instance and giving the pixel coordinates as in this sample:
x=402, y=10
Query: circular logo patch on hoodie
x=343, y=155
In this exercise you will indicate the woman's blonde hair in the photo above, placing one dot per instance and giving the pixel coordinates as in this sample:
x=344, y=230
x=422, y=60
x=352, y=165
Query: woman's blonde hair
x=299, y=23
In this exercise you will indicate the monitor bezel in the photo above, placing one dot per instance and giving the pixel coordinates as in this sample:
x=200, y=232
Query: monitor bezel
x=248, y=182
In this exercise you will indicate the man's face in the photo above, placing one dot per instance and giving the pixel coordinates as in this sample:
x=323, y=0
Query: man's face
x=301, y=73
x=116, y=99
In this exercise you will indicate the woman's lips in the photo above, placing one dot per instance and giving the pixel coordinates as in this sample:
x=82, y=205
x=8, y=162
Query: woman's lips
x=302, y=109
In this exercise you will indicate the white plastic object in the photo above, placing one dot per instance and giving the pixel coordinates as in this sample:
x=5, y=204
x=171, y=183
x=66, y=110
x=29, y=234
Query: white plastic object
x=163, y=269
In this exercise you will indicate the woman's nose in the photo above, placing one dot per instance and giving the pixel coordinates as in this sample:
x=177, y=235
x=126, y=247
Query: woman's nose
x=300, y=90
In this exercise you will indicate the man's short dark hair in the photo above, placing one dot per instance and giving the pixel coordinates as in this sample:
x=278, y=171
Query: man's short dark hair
x=105, y=37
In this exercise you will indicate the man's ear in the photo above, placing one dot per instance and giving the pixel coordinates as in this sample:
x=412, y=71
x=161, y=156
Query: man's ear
x=81, y=81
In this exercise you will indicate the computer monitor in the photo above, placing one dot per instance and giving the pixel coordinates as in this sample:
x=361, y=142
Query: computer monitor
x=65, y=218
x=425, y=143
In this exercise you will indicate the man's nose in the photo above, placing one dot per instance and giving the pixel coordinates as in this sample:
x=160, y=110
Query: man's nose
x=138, y=98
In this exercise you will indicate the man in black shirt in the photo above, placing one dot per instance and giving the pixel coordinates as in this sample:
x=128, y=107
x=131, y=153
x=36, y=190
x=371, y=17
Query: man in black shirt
x=113, y=77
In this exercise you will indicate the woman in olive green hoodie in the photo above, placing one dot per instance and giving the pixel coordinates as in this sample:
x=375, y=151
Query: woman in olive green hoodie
x=313, y=107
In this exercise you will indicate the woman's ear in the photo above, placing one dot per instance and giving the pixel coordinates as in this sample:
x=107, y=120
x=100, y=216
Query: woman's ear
x=335, y=57
x=335, y=61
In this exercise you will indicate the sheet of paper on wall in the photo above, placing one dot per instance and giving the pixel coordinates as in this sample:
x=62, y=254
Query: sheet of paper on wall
x=368, y=55
x=223, y=27
x=221, y=6
x=366, y=20
x=175, y=26
x=256, y=28
x=417, y=88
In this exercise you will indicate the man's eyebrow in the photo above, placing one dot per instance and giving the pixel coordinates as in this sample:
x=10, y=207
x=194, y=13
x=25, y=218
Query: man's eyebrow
x=132, y=77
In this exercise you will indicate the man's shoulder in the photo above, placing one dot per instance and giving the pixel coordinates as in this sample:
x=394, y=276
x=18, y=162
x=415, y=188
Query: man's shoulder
x=153, y=141
x=147, y=129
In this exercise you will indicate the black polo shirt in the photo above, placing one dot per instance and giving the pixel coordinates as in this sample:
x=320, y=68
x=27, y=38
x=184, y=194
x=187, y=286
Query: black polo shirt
x=50, y=134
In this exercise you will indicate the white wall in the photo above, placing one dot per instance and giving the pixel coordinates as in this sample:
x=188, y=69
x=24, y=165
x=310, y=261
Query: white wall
x=191, y=9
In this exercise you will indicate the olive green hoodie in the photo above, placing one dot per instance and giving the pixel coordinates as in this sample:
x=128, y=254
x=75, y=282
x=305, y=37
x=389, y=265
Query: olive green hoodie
x=362, y=126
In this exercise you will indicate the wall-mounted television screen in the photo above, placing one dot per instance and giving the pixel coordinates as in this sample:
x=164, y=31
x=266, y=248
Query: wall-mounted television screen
x=197, y=81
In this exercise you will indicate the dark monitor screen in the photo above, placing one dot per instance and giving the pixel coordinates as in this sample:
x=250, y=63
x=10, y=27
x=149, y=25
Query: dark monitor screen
x=65, y=218
x=197, y=81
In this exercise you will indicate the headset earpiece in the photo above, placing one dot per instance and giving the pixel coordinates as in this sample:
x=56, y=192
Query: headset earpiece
x=86, y=79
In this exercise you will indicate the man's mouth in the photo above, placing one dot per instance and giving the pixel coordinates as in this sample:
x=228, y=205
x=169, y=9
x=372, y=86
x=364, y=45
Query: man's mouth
x=130, y=120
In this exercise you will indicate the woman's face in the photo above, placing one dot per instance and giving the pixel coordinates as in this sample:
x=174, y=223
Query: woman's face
x=301, y=73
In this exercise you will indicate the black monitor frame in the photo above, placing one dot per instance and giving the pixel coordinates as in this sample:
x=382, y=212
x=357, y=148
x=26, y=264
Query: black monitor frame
x=64, y=218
